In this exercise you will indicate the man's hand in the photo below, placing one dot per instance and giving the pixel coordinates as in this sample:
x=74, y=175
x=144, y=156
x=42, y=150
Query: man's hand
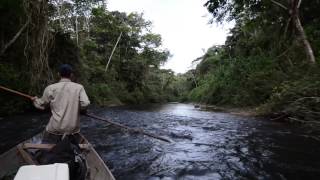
x=34, y=98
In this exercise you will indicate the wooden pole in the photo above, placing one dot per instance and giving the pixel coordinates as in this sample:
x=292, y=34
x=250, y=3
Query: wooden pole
x=16, y=92
x=134, y=130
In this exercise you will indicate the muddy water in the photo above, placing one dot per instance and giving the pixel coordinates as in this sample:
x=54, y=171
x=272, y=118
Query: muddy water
x=205, y=145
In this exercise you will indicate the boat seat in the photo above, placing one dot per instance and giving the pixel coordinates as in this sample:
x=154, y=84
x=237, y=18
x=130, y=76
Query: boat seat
x=57, y=171
x=49, y=146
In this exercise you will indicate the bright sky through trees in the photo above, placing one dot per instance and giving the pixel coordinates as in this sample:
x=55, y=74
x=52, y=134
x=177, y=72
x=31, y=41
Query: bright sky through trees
x=183, y=25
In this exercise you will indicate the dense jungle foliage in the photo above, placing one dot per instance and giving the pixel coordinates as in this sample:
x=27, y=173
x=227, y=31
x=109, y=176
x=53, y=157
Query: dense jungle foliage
x=266, y=61
x=37, y=36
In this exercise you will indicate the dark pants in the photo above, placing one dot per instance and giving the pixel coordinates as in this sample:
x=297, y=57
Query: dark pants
x=49, y=138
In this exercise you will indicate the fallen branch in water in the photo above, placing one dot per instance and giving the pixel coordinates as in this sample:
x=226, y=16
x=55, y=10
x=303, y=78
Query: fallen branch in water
x=311, y=137
x=204, y=144
x=292, y=119
x=281, y=117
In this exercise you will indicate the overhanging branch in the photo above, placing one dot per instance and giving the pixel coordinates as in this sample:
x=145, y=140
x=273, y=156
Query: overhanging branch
x=14, y=38
x=299, y=3
x=279, y=4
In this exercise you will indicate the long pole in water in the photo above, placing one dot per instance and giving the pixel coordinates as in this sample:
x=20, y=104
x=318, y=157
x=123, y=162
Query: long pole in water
x=134, y=130
x=140, y=131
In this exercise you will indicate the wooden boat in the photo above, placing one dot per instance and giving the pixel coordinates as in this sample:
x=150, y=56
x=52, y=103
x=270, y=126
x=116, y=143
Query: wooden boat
x=19, y=155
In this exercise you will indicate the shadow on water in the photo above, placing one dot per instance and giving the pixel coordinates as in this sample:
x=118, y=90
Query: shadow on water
x=206, y=145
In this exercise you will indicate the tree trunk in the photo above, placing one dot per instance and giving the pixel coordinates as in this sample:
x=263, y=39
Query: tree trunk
x=77, y=35
x=114, y=48
x=87, y=19
x=194, y=79
x=306, y=44
x=301, y=33
x=59, y=13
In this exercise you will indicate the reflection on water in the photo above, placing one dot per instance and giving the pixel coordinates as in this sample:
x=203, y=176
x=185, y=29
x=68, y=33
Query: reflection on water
x=206, y=145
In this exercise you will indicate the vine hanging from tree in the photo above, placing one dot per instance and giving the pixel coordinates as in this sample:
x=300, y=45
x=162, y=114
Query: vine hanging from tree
x=38, y=42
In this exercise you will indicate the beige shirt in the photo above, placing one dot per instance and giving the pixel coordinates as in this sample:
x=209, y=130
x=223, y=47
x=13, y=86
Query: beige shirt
x=65, y=98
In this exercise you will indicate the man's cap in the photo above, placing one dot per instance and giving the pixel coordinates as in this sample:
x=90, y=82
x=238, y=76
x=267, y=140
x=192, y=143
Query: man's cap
x=65, y=70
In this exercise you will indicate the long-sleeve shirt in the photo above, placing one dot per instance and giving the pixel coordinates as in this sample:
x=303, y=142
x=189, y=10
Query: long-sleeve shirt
x=66, y=99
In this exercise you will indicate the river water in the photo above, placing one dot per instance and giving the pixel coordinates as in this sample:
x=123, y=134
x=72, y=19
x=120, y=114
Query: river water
x=205, y=145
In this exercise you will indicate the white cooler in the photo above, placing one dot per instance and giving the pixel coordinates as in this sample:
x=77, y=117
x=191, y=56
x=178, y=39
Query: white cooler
x=57, y=171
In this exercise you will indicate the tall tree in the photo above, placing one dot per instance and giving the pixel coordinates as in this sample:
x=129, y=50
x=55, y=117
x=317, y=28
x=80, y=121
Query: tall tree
x=266, y=11
x=293, y=9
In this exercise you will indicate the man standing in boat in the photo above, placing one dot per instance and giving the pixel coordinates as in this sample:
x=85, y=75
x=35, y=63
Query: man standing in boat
x=66, y=100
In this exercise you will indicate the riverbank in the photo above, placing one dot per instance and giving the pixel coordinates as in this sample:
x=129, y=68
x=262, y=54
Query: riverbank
x=313, y=125
x=245, y=111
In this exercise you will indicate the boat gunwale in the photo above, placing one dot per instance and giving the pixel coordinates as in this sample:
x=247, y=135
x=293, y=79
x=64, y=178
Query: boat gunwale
x=37, y=138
